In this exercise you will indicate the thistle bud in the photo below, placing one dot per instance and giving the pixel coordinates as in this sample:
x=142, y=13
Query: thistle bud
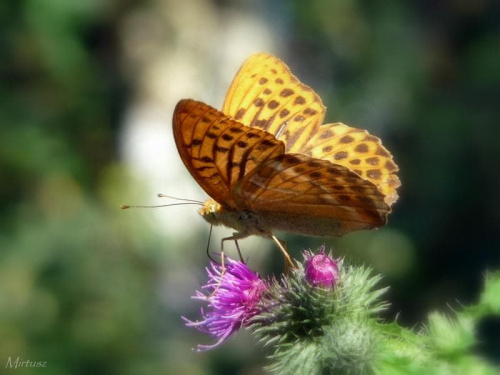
x=321, y=270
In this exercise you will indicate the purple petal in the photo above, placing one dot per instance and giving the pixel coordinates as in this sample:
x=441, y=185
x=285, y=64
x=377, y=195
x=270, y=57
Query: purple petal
x=232, y=299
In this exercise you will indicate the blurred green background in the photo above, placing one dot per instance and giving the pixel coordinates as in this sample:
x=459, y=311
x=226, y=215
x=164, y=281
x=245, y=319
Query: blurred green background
x=86, y=99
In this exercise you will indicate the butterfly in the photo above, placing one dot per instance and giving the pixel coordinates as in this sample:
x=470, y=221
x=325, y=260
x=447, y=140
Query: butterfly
x=269, y=164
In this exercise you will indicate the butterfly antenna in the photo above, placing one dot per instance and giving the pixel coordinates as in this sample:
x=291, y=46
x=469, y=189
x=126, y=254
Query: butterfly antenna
x=126, y=206
x=160, y=195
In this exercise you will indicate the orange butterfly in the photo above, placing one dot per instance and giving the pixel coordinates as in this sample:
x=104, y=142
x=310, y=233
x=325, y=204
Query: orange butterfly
x=269, y=164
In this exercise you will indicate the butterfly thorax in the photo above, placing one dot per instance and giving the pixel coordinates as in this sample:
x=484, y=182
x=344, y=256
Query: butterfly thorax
x=244, y=222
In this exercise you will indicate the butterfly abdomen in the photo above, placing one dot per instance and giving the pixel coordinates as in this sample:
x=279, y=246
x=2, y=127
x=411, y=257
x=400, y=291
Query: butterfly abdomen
x=319, y=226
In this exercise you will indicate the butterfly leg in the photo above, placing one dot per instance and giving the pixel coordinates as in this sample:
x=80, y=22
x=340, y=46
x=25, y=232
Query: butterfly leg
x=235, y=237
x=282, y=247
x=239, y=251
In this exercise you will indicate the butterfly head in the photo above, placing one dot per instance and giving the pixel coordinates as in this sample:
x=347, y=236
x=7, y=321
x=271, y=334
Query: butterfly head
x=211, y=212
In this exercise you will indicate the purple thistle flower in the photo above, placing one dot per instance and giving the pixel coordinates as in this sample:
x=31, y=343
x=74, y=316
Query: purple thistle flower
x=321, y=270
x=232, y=298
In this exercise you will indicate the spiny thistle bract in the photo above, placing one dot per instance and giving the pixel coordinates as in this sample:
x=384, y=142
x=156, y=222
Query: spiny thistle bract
x=321, y=329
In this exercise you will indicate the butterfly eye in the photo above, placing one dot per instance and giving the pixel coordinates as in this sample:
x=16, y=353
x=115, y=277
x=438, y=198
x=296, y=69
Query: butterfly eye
x=210, y=211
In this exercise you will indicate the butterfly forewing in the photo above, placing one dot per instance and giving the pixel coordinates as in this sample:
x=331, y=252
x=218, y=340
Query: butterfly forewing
x=219, y=151
x=266, y=95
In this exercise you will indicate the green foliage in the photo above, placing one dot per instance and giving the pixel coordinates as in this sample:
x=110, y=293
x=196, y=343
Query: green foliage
x=490, y=298
x=446, y=344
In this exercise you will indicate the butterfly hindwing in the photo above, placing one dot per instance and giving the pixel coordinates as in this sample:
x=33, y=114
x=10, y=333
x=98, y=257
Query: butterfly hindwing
x=359, y=151
x=295, y=185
